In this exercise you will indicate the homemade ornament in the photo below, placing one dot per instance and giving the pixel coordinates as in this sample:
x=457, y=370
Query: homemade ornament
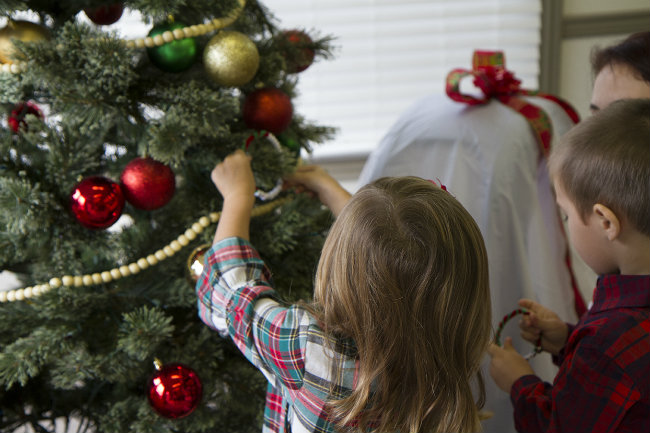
x=267, y=109
x=302, y=55
x=195, y=262
x=97, y=202
x=174, y=390
x=173, y=56
x=147, y=184
x=24, y=31
x=230, y=58
x=16, y=118
x=106, y=14
x=502, y=323
x=273, y=193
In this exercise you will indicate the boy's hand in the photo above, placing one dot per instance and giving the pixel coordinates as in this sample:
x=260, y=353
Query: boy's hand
x=317, y=180
x=507, y=365
x=234, y=179
x=541, y=320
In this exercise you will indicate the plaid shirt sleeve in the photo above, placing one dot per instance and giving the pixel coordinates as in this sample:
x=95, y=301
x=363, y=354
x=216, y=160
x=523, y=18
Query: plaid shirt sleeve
x=234, y=298
x=591, y=393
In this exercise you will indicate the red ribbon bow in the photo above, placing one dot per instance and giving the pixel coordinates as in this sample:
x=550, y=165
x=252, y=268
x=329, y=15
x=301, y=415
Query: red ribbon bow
x=496, y=82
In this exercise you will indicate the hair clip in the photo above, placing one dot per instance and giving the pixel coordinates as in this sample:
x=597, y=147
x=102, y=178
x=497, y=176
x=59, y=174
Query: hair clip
x=259, y=193
x=439, y=184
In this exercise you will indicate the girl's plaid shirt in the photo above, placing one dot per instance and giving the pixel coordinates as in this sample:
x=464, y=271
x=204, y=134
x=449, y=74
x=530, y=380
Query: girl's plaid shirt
x=235, y=297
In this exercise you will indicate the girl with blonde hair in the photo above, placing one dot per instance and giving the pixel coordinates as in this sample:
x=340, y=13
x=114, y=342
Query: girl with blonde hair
x=400, y=319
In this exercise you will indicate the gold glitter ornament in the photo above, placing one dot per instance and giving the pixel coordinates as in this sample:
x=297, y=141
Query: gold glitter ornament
x=231, y=58
x=24, y=31
x=195, y=262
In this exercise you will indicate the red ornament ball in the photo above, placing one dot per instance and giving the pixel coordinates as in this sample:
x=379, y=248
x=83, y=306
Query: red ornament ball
x=106, y=14
x=267, y=109
x=97, y=202
x=16, y=119
x=175, y=390
x=148, y=184
x=303, y=54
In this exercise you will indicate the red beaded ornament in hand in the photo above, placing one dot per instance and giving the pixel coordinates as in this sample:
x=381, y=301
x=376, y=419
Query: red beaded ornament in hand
x=502, y=323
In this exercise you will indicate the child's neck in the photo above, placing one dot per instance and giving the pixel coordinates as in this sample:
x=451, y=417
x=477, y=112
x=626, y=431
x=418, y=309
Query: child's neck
x=634, y=255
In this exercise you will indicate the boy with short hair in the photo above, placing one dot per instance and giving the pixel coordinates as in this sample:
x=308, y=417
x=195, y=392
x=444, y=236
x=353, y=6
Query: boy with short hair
x=601, y=175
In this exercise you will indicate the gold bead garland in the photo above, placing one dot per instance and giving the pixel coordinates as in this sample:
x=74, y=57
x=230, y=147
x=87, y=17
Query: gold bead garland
x=13, y=68
x=158, y=40
x=132, y=268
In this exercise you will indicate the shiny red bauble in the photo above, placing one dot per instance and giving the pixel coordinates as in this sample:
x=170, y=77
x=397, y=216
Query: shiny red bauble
x=147, y=184
x=303, y=57
x=267, y=109
x=16, y=119
x=174, y=391
x=97, y=202
x=106, y=14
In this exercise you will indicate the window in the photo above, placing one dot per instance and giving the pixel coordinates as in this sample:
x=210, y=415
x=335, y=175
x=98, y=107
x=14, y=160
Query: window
x=388, y=53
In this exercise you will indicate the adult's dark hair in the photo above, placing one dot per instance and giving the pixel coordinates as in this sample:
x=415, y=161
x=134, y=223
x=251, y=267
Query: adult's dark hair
x=634, y=51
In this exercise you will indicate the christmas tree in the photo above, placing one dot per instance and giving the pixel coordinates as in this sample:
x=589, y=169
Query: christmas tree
x=106, y=206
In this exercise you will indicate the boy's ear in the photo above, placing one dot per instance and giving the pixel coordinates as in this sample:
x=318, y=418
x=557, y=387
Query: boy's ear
x=607, y=220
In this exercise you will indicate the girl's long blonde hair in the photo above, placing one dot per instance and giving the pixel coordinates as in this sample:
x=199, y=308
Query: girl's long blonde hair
x=404, y=274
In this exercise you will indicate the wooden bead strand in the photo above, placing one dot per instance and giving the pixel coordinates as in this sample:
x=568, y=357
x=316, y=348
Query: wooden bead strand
x=132, y=268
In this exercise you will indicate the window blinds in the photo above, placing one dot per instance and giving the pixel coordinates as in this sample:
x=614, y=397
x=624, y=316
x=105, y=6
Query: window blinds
x=388, y=53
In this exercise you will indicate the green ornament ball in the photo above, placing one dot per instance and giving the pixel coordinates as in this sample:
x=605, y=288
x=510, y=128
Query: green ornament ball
x=290, y=143
x=174, y=56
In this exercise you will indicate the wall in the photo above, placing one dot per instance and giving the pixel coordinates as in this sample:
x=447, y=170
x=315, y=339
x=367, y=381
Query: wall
x=599, y=7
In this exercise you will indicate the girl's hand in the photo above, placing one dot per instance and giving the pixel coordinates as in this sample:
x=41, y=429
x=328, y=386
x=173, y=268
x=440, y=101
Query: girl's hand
x=316, y=180
x=234, y=179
